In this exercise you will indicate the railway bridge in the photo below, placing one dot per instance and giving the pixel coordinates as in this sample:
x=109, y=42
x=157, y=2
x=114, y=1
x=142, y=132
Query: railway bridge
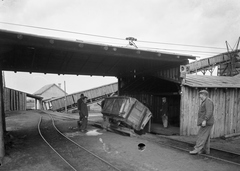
x=143, y=74
x=138, y=71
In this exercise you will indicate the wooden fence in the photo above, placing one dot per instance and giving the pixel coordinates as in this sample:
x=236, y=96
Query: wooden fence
x=14, y=100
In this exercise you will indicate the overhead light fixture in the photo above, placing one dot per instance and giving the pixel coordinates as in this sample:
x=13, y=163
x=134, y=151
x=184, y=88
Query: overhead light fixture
x=51, y=41
x=131, y=43
x=80, y=45
x=19, y=36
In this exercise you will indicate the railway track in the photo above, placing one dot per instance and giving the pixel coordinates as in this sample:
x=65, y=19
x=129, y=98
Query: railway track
x=53, y=137
x=216, y=154
x=75, y=156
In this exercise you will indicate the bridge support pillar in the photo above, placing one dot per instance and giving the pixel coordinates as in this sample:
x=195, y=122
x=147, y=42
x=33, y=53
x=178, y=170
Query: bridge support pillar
x=2, y=120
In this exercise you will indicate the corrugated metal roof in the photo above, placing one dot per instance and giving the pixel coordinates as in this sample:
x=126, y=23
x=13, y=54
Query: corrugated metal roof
x=43, y=89
x=211, y=81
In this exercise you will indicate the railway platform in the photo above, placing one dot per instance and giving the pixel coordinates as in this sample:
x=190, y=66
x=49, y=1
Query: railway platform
x=229, y=144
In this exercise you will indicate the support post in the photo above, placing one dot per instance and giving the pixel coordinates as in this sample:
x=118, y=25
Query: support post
x=35, y=104
x=3, y=109
x=40, y=103
x=119, y=85
x=2, y=118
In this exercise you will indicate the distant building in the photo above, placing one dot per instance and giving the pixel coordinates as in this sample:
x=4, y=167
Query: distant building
x=30, y=103
x=50, y=91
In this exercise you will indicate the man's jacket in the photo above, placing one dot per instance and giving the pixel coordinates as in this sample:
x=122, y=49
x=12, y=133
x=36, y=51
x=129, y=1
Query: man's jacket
x=79, y=102
x=165, y=108
x=205, y=112
x=84, y=109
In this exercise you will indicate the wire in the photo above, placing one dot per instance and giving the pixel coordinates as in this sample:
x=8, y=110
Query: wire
x=182, y=50
x=94, y=35
x=156, y=48
x=58, y=30
x=180, y=44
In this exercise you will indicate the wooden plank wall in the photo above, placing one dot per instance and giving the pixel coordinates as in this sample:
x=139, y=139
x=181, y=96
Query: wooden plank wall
x=14, y=100
x=154, y=104
x=172, y=74
x=226, y=111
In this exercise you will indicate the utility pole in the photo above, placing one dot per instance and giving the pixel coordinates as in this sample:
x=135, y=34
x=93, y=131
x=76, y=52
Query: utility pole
x=65, y=97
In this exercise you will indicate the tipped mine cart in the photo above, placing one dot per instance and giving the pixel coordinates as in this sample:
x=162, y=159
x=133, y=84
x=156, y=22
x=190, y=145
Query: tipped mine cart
x=125, y=114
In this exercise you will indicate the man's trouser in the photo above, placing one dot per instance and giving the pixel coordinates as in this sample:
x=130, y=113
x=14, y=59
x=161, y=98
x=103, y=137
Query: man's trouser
x=84, y=123
x=165, y=121
x=79, y=122
x=203, y=139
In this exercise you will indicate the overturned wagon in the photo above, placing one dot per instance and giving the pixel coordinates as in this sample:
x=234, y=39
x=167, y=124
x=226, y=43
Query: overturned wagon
x=126, y=112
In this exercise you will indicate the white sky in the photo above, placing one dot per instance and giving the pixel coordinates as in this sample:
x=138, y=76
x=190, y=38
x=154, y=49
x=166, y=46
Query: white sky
x=193, y=22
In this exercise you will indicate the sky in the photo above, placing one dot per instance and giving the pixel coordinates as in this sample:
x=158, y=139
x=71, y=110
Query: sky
x=170, y=23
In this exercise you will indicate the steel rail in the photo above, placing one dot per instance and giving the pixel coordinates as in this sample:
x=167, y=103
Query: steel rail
x=101, y=159
x=39, y=130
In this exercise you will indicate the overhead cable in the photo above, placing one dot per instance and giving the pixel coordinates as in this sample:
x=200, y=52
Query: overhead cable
x=58, y=30
x=180, y=44
x=108, y=37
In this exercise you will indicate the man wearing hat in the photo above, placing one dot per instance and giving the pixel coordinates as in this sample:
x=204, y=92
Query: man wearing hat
x=205, y=121
x=84, y=114
x=79, y=102
x=164, y=111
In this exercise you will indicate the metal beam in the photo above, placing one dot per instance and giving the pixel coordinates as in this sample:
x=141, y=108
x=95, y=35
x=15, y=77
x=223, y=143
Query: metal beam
x=212, y=61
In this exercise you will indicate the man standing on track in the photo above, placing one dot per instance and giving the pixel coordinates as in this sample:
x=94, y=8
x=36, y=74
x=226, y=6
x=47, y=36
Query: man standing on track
x=205, y=121
x=79, y=102
x=84, y=114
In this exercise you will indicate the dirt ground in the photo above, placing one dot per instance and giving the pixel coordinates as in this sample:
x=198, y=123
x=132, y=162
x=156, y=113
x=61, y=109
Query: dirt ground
x=29, y=152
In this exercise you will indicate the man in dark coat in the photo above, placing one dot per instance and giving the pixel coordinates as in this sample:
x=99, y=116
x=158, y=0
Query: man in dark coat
x=164, y=111
x=84, y=114
x=205, y=121
x=79, y=102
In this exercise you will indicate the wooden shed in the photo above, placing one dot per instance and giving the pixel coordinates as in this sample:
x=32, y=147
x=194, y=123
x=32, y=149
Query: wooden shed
x=225, y=94
x=150, y=91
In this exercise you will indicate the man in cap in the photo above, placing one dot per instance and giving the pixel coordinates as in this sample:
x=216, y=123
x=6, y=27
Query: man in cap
x=84, y=114
x=164, y=111
x=79, y=102
x=205, y=121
